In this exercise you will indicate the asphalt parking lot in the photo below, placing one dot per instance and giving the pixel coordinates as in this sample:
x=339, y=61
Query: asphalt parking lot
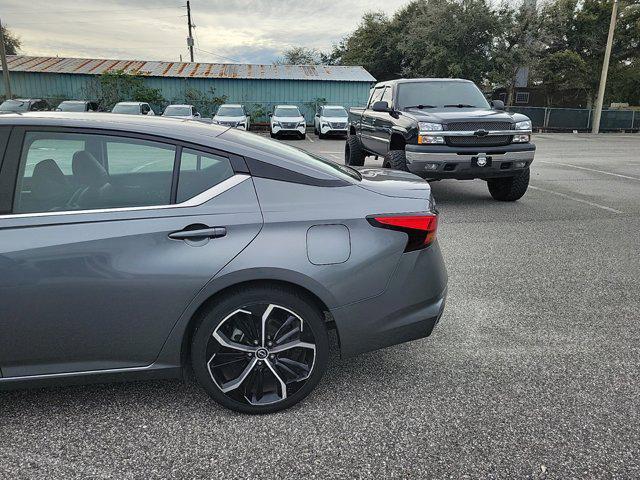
x=534, y=371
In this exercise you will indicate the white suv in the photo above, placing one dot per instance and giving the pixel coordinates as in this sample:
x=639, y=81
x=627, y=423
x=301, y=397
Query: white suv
x=329, y=120
x=232, y=115
x=287, y=120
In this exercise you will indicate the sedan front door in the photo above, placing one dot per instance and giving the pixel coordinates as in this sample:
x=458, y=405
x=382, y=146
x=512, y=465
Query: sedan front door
x=105, y=241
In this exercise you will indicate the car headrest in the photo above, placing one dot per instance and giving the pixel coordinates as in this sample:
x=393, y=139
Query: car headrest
x=87, y=170
x=48, y=181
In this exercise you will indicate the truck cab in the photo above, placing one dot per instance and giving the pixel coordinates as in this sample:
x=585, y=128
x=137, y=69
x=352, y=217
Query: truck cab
x=443, y=128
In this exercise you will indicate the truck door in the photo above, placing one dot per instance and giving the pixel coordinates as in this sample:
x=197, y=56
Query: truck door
x=367, y=129
x=382, y=125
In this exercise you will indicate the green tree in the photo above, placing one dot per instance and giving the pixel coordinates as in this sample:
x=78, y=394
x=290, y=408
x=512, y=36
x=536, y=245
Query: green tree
x=373, y=44
x=517, y=44
x=581, y=26
x=299, y=56
x=110, y=88
x=562, y=73
x=446, y=38
x=11, y=42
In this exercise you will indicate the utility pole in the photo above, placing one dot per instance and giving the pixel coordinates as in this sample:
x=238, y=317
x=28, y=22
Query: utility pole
x=605, y=70
x=190, y=37
x=5, y=68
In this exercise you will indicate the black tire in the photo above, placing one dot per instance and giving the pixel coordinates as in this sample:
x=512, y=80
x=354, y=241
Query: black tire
x=315, y=130
x=289, y=307
x=303, y=136
x=353, y=153
x=396, y=160
x=321, y=136
x=509, y=189
x=273, y=135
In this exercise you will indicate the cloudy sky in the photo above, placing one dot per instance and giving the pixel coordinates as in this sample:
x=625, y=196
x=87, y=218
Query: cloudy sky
x=246, y=31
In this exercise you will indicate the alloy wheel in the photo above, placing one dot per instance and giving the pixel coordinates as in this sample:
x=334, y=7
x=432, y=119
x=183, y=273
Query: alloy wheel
x=261, y=354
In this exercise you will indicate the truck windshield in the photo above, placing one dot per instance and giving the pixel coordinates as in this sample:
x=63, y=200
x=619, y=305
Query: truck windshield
x=334, y=112
x=287, y=112
x=451, y=94
x=229, y=111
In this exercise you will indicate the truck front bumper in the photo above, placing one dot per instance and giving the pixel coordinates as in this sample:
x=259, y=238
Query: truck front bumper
x=442, y=161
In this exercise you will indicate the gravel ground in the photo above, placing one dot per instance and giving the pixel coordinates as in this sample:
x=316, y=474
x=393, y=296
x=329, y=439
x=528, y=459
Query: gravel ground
x=534, y=371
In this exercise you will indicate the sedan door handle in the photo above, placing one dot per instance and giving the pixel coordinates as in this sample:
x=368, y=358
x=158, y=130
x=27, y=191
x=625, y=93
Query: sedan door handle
x=214, y=232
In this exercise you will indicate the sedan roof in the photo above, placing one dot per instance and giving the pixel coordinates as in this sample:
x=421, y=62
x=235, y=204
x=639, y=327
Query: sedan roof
x=174, y=128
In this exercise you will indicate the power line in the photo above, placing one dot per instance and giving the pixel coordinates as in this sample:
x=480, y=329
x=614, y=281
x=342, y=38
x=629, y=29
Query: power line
x=218, y=55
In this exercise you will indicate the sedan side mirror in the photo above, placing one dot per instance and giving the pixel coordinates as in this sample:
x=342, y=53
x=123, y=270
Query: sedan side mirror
x=381, y=106
x=497, y=104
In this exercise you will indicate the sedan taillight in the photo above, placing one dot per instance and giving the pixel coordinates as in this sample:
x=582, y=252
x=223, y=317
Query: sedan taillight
x=421, y=228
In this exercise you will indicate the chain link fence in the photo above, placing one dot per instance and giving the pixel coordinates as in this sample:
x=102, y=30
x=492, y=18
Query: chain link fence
x=580, y=119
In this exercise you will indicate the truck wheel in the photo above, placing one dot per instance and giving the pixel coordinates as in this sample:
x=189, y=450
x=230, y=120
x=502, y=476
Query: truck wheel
x=509, y=189
x=396, y=160
x=353, y=154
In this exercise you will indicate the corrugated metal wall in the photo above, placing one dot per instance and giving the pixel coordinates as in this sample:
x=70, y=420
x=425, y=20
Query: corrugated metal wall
x=267, y=93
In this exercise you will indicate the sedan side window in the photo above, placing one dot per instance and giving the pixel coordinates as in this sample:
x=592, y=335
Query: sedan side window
x=69, y=171
x=200, y=171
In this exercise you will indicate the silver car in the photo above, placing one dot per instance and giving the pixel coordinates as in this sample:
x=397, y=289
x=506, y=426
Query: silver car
x=132, y=248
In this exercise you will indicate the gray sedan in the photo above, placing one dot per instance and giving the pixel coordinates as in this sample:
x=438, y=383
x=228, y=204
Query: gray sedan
x=132, y=248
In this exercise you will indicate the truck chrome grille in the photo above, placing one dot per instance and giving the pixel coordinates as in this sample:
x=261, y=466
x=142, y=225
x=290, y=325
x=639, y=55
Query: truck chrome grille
x=338, y=125
x=289, y=125
x=489, y=141
x=478, y=141
x=473, y=126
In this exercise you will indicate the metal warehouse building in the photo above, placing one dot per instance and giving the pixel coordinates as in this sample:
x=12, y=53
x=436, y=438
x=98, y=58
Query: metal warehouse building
x=266, y=85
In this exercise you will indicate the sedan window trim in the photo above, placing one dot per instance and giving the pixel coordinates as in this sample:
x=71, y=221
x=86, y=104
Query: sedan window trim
x=198, y=200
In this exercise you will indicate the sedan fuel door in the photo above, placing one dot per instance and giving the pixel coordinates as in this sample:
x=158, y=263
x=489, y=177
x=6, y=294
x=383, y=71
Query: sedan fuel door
x=107, y=240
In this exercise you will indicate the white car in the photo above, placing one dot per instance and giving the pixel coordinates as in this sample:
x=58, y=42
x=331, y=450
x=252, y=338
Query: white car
x=232, y=115
x=188, y=112
x=133, y=108
x=330, y=119
x=287, y=120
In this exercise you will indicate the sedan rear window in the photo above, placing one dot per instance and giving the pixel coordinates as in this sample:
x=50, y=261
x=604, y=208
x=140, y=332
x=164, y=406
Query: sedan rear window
x=279, y=149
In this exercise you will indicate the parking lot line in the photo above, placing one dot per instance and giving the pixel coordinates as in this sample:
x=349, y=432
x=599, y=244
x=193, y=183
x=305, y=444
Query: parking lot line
x=575, y=199
x=591, y=170
x=309, y=138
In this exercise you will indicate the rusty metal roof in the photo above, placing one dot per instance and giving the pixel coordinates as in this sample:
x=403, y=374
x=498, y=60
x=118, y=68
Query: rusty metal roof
x=94, y=66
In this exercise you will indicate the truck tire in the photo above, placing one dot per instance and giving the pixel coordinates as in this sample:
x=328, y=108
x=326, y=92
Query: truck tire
x=353, y=153
x=509, y=189
x=396, y=160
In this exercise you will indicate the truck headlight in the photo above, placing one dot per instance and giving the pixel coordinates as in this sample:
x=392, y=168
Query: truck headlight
x=429, y=127
x=526, y=125
x=430, y=139
x=302, y=124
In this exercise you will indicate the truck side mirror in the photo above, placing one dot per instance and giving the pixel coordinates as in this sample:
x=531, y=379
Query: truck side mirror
x=497, y=104
x=380, y=106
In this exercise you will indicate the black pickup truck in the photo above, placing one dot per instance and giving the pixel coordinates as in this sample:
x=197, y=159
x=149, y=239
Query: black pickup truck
x=443, y=128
